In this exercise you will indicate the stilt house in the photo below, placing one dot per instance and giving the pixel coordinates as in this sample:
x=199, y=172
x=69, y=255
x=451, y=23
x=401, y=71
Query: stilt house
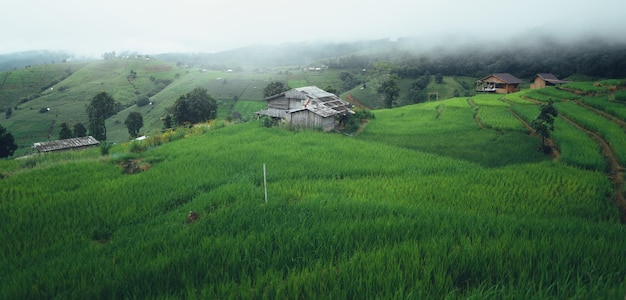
x=542, y=80
x=499, y=83
x=308, y=107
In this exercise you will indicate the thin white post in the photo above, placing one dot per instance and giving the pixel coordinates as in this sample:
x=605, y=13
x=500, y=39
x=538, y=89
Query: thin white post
x=265, y=182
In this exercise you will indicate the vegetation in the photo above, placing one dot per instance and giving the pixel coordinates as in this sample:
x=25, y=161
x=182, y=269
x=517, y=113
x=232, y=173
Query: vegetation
x=544, y=123
x=101, y=107
x=389, y=91
x=195, y=107
x=442, y=199
x=274, y=88
x=134, y=122
x=385, y=220
x=65, y=132
x=7, y=143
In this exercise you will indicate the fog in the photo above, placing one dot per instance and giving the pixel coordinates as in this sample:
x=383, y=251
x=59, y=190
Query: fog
x=151, y=27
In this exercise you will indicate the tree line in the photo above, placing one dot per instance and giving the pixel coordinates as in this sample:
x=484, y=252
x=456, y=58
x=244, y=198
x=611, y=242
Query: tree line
x=595, y=58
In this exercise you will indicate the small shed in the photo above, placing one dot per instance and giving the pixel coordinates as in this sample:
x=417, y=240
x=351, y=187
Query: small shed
x=499, y=83
x=542, y=80
x=67, y=144
x=308, y=107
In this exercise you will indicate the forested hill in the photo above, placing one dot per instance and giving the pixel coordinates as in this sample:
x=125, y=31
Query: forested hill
x=597, y=58
x=524, y=57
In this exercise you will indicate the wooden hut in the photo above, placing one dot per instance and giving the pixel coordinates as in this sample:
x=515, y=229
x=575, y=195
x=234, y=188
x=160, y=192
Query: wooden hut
x=308, y=107
x=542, y=80
x=67, y=144
x=499, y=83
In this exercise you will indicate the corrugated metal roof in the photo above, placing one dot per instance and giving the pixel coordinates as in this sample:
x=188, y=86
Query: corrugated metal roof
x=318, y=109
x=66, y=144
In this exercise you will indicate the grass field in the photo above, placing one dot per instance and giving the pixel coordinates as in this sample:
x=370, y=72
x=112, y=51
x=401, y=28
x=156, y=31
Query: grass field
x=444, y=199
x=400, y=211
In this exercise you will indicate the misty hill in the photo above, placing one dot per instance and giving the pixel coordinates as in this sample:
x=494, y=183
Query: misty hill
x=31, y=58
x=151, y=84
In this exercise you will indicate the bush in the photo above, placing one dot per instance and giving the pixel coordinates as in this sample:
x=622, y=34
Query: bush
x=269, y=122
x=620, y=96
x=104, y=148
x=143, y=101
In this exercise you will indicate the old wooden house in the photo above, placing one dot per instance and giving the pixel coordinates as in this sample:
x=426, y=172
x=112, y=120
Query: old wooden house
x=308, y=107
x=499, y=83
x=542, y=80
x=67, y=144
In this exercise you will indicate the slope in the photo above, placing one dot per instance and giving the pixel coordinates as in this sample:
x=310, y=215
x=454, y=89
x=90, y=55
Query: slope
x=346, y=217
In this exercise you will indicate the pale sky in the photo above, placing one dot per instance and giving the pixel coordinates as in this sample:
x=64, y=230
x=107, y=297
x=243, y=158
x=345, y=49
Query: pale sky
x=92, y=27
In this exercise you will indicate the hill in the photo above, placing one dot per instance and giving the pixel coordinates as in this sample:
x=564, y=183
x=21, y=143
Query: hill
x=435, y=200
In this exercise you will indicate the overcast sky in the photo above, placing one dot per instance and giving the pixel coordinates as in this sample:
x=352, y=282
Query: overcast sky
x=150, y=27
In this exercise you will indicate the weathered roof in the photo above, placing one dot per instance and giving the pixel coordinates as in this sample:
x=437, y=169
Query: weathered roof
x=505, y=77
x=317, y=101
x=318, y=109
x=549, y=77
x=66, y=144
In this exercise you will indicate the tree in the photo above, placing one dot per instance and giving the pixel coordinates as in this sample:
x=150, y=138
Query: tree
x=194, y=107
x=274, y=88
x=102, y=106
x=544, y=123
x=168, y=121
x=390, y=92
x=134, y=122
x=439, y=78
x=65, y=132
x=7, y=143
x=79, y=130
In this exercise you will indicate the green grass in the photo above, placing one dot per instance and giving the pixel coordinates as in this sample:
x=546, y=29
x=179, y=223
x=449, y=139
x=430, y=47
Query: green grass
x=615, y=108
x=551, y=93
x=610, y=131
x=587, y=87
x=450, y=130
x=347, y=217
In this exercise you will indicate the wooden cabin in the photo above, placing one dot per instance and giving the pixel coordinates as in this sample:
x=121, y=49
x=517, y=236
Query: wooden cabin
x=499, y=83
x=542, y=80
x=67, y=144
x=308, y=107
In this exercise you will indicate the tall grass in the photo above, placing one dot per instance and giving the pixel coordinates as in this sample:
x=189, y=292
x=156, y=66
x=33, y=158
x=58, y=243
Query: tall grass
x=370, y=216
x=610, y=131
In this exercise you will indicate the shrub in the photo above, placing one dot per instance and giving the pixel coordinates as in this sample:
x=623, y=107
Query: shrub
x=104, y=148
x=620, y=96
x=143, y=101
x=269, y=122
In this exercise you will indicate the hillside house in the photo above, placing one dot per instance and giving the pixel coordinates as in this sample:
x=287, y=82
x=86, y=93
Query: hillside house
x=308, y=107
x=499, y=83
x=67, y=144
x=542, y=80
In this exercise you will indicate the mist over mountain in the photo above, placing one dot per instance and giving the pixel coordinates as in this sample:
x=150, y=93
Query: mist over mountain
x=29, y=58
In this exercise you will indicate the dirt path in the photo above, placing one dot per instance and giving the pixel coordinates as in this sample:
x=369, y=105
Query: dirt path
x=476, y=108
x=602, y=113
x=554, y=151
x=615, y=170
x=354, y=100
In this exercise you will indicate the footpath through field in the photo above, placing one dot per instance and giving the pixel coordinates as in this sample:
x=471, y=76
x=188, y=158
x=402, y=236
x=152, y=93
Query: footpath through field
x=615, y=170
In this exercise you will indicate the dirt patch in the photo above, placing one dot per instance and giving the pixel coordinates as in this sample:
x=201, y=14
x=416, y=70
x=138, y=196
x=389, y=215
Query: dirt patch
x=134, y=166
x=356, y=102
x=192, y=217
x=161, y=68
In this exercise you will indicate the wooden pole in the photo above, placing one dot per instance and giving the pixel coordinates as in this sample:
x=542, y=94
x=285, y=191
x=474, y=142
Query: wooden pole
x=265, y=182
